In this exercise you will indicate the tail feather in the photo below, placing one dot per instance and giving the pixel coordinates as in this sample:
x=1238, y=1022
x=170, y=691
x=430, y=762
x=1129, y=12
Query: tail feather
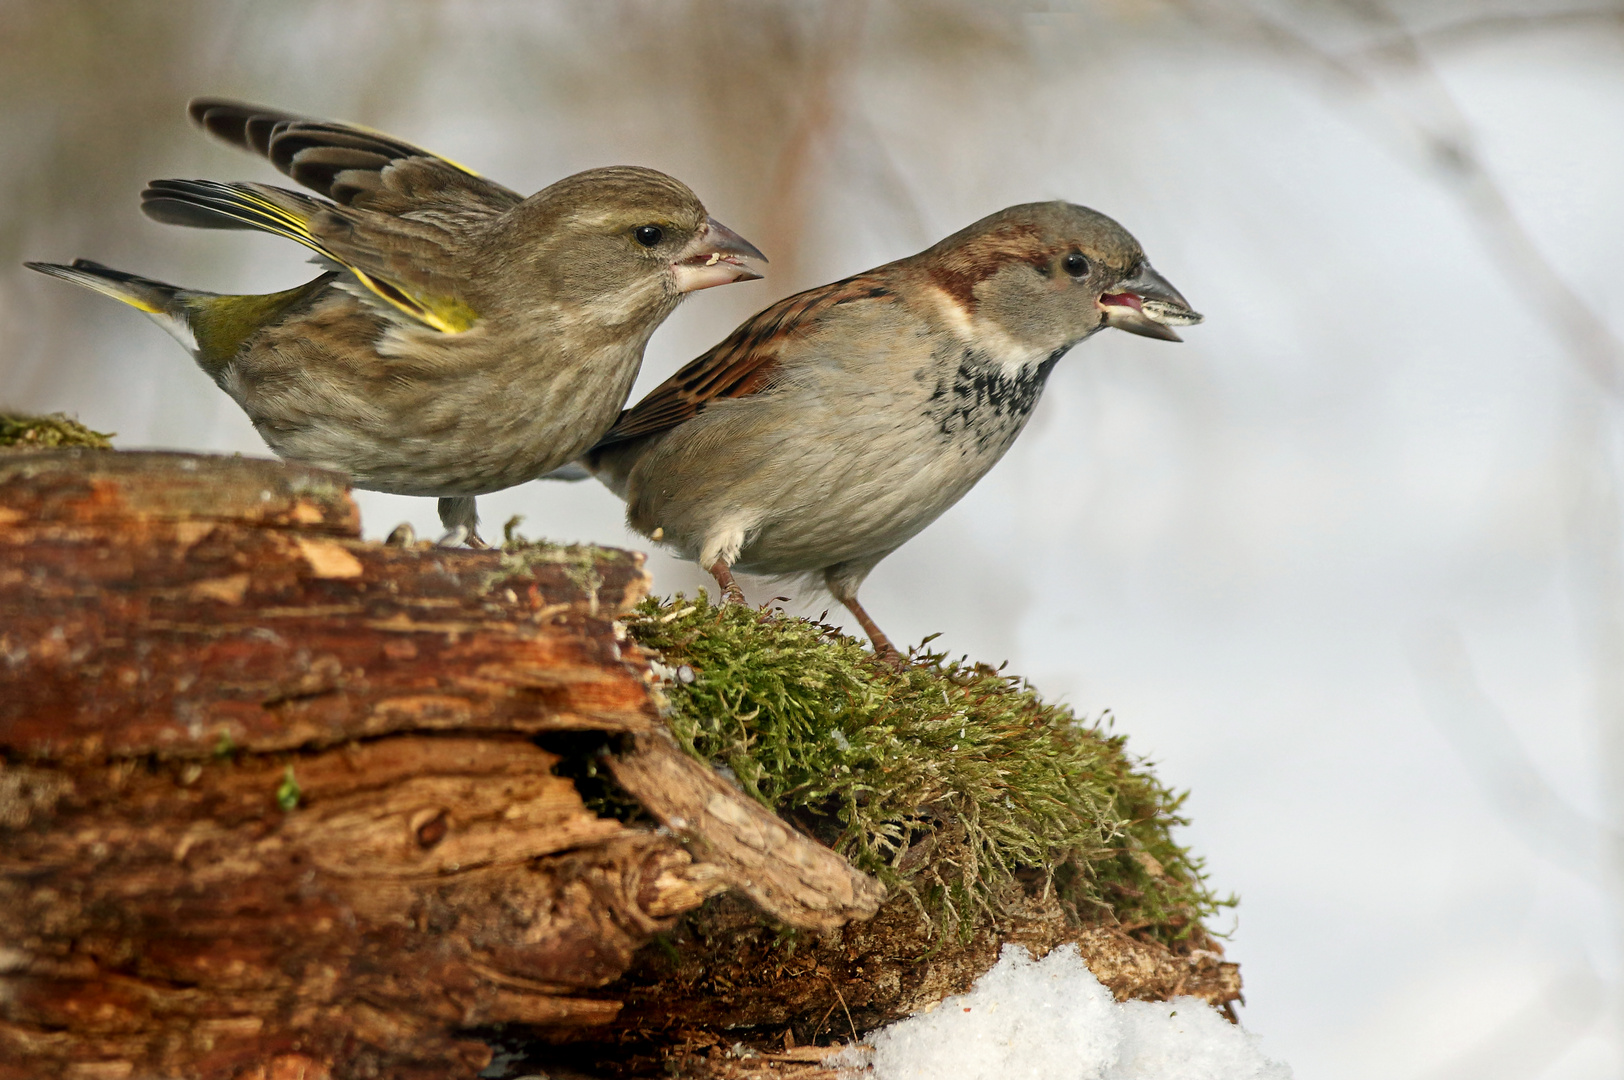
x=572, y=473
x=144, y=294
x=161, y=302
x=210, y=326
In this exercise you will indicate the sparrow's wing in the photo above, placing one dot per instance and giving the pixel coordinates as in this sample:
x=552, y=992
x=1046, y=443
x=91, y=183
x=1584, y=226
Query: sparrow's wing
x=404, y=262
x=354, y=166
x=744, y=363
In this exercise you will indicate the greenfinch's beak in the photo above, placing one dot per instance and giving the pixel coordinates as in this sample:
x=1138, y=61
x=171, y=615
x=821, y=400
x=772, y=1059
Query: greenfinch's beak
x=1146, y=304
x=717, y=256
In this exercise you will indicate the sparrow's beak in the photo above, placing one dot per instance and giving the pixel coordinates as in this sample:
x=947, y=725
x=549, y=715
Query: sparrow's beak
x=1146, y=304
x=717, y=256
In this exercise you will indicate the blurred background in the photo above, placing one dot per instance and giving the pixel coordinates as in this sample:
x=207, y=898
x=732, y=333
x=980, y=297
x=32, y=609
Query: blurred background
x=1348, y=564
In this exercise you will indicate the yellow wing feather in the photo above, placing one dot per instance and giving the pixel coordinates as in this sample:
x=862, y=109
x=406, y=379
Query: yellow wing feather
x=287, y=214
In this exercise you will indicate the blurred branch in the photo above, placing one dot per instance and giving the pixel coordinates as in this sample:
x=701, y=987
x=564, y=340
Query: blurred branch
x=1495, y=758
x=1475, y=29
x=1395, y=75
x=1531, y=1039
x=1443, y=144
x=794, y=174
x=1425, y=115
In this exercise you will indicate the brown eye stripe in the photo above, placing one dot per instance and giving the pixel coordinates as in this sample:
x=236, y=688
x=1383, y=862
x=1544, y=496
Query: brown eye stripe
x=959, y=272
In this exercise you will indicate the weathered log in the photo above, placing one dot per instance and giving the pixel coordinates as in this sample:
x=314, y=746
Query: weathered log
x=272, y=801
x=722, y=968
x=161, y=602
x=277, y=802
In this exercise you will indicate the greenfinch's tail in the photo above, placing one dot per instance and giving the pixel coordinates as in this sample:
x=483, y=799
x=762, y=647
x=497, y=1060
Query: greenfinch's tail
x=156, y=299
x=210, y=326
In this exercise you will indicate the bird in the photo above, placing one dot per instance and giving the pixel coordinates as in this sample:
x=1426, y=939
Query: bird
x=836, y=424
x=461, y=338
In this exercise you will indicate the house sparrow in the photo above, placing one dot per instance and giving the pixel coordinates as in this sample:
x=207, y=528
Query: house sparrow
x=835, y=425
x=462, y=339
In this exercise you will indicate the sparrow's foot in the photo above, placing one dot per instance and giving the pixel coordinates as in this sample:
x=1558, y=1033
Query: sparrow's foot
x=402, y=535
x=886, y=653
x=476, y=541
x=731, y=593
x=455, y=536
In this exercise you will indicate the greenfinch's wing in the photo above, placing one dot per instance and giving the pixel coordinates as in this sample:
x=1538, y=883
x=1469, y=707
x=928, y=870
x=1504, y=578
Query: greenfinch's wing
x=353, y=165
x=408, y=264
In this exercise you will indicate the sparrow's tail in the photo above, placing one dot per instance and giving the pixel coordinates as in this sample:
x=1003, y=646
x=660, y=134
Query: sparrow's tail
x=208, y=325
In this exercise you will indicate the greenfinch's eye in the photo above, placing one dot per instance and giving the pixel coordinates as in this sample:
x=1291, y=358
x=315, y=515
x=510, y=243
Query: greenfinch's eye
x=1075, y=264
x=648, y=235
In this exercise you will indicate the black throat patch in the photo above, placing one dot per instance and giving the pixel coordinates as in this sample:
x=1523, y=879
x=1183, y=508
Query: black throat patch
x=979, y=404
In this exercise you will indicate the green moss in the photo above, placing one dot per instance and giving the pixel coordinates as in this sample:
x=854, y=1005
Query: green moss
x=950, y=781
x=37, y=432
x=288, y=792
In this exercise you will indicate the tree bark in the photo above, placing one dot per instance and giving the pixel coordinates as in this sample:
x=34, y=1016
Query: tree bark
x=276, y=803
x=273, y=801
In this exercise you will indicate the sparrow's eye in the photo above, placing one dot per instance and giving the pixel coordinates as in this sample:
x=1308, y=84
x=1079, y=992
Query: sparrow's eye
x=1075, y=264
x=648, y=235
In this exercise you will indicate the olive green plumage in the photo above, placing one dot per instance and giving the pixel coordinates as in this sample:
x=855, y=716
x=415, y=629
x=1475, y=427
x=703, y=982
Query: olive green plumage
x=462, y=339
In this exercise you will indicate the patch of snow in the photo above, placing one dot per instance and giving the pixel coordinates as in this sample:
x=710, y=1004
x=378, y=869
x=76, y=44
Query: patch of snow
x=1050, y=1019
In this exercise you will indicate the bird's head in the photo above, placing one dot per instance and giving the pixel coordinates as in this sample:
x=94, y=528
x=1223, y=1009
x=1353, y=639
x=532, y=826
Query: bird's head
x=1047, y=275
x=628, y=237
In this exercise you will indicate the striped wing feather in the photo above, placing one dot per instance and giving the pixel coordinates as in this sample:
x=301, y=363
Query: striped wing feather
x=397, y=259
x=743, y=364
x=352, y=165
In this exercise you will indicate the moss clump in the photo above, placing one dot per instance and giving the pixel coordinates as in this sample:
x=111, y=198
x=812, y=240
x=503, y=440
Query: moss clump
x=288, y=792
x=950, y=781
x=38, y=432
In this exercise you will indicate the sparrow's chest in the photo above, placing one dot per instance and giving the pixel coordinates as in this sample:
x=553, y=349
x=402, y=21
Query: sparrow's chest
x=976, y=406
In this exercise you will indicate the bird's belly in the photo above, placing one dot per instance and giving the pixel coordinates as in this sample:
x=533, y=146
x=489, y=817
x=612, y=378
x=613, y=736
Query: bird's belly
x=469, y=435
x=851, y=510
x=472, y=459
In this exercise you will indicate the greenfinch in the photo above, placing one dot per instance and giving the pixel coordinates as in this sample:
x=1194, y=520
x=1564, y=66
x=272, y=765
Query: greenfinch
x=461, y=339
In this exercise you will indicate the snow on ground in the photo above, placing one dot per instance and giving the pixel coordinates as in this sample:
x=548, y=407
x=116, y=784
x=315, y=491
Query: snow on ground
x=1050, y=1019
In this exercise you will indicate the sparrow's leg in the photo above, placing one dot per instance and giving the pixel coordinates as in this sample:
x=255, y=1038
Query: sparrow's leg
x=883, y=649
x=731, y=593
x=460, y=516
x=843, y=581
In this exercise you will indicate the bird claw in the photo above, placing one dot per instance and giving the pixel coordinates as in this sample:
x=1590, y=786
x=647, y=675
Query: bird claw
x=402, y=535
x=462, y=536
